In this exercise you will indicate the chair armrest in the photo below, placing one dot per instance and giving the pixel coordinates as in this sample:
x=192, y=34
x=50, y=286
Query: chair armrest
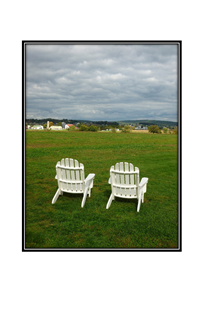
x=143, y=182
x=89, y=178
x=109, y=181
x=56, y=176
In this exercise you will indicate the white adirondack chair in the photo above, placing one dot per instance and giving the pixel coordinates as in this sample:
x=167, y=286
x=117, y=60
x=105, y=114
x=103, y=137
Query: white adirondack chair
x=124, y=180
x=71, y=179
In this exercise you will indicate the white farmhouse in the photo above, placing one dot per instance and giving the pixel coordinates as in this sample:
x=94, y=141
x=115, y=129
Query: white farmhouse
x=55, y=128
x=37, y=127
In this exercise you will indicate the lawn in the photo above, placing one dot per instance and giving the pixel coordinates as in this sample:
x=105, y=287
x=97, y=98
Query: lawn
x=66, y=225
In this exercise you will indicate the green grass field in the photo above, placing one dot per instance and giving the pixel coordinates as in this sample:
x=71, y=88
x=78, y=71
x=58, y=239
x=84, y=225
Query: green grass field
x=66, y=225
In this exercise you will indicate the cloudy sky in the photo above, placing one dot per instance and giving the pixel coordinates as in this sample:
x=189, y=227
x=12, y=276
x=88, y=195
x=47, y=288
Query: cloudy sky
x=101, y=82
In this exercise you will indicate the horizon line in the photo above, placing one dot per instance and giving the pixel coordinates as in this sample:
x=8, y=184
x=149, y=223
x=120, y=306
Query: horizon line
x=102, y=120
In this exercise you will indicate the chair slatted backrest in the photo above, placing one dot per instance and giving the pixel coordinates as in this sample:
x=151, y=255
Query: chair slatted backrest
x=124, y=180
x=70, y=175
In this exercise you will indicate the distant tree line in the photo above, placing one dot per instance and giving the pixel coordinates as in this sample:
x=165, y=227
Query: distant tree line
x=72, y=121
x=106, y=125
x=111, y=124
x=160, y=123
x=156, y=129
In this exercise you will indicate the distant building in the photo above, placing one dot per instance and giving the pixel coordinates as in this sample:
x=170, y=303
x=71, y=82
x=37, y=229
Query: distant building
x=55, y=128
x=68, y=125
x=63, y=125
x=37, y=127
x=141, y=128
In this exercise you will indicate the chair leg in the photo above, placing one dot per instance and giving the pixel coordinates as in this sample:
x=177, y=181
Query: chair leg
x=90, y=187
x=139, y=203
x=111, y=198
x=84, y=198
x=56, y=195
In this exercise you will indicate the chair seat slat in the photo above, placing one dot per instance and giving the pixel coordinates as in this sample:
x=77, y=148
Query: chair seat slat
x=118, y=185
x=123, y=172
x=70, y=181
x=72, y=168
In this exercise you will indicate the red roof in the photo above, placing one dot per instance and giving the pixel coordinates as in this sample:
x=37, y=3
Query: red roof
x=70, y=125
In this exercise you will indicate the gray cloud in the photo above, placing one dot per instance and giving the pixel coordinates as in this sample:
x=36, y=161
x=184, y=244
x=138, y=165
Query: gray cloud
x=101, y=82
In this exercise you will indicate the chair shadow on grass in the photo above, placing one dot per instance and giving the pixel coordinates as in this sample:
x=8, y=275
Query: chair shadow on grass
x=121, y=200
x=74, y=196
x=106, y=194
x=68, y=196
